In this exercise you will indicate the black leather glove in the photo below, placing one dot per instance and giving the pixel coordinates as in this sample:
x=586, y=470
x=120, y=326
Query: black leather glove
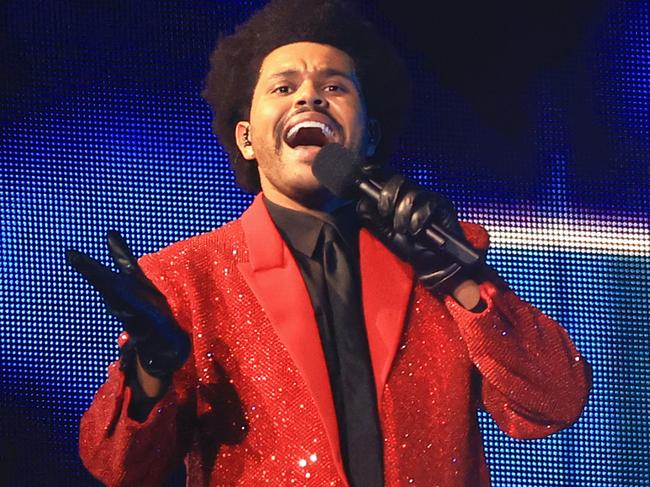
x=156, y=337
x=401, y=214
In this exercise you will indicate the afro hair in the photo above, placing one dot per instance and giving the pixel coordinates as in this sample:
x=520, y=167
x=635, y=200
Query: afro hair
x=236, y=61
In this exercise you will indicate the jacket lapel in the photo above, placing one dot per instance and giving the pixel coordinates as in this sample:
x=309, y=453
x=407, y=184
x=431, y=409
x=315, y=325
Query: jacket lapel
x=275, y=279
x=386, y=284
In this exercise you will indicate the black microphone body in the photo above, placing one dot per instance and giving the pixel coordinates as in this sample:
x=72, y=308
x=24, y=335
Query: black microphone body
x=340, y=172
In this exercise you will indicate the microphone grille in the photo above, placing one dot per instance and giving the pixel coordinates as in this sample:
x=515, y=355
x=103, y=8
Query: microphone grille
x=337, y=169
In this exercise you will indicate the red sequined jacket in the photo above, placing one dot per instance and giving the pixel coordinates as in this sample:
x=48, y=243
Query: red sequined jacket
x=252, y=405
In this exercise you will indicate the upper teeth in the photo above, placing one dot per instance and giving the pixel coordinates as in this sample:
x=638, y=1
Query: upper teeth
x=327, y=131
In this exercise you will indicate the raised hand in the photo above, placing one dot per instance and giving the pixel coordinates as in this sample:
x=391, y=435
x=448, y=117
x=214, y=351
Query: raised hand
x=161, y=345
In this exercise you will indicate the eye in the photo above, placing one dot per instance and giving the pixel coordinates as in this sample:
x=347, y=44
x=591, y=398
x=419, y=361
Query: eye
x=333, y=88
x=282, y=90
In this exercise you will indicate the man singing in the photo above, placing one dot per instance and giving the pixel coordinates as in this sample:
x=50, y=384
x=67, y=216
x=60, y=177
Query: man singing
x=312, y=340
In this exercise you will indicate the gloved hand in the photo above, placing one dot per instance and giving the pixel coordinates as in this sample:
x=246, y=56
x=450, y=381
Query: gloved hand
x=161, y=345
x=401, y=214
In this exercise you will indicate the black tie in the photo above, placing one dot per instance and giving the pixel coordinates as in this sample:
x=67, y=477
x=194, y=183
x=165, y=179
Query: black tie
x=357, y=386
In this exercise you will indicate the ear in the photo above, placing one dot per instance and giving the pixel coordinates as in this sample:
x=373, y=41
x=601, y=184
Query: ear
x=242, y=137
x=374, y=136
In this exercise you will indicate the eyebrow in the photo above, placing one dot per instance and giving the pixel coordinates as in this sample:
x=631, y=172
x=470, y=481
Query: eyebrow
x=327, y=73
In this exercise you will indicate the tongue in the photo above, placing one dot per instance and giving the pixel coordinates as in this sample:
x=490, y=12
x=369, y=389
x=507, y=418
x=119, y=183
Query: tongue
x=308, y=136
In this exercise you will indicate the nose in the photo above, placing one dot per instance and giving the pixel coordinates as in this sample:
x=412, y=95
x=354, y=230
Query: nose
x=309, y=96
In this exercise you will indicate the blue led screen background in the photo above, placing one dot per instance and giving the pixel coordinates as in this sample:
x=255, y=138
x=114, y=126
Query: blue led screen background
x=535, y=121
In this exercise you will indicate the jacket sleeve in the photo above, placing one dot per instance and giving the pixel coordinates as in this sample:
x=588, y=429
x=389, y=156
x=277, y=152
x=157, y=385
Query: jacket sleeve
x=533, y=380
x=120, y=451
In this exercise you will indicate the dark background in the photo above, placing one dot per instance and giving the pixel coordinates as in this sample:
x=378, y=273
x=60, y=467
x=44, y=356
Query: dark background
x=532, y=116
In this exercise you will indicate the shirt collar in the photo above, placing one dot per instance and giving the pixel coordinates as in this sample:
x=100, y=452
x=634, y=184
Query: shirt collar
x=302, y=231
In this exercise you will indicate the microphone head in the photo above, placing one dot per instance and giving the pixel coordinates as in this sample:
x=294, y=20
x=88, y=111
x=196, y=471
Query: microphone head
x=337, y=169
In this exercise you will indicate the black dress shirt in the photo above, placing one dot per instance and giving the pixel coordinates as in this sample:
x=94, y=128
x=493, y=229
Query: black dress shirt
x=342, y=332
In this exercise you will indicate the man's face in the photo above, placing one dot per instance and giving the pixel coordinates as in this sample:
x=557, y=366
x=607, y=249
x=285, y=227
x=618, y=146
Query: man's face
x=307, y=96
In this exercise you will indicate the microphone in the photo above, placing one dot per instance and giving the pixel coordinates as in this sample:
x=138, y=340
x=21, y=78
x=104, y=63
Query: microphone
x=339, y=171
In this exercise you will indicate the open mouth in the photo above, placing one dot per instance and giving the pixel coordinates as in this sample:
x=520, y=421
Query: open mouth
x=310, y=133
